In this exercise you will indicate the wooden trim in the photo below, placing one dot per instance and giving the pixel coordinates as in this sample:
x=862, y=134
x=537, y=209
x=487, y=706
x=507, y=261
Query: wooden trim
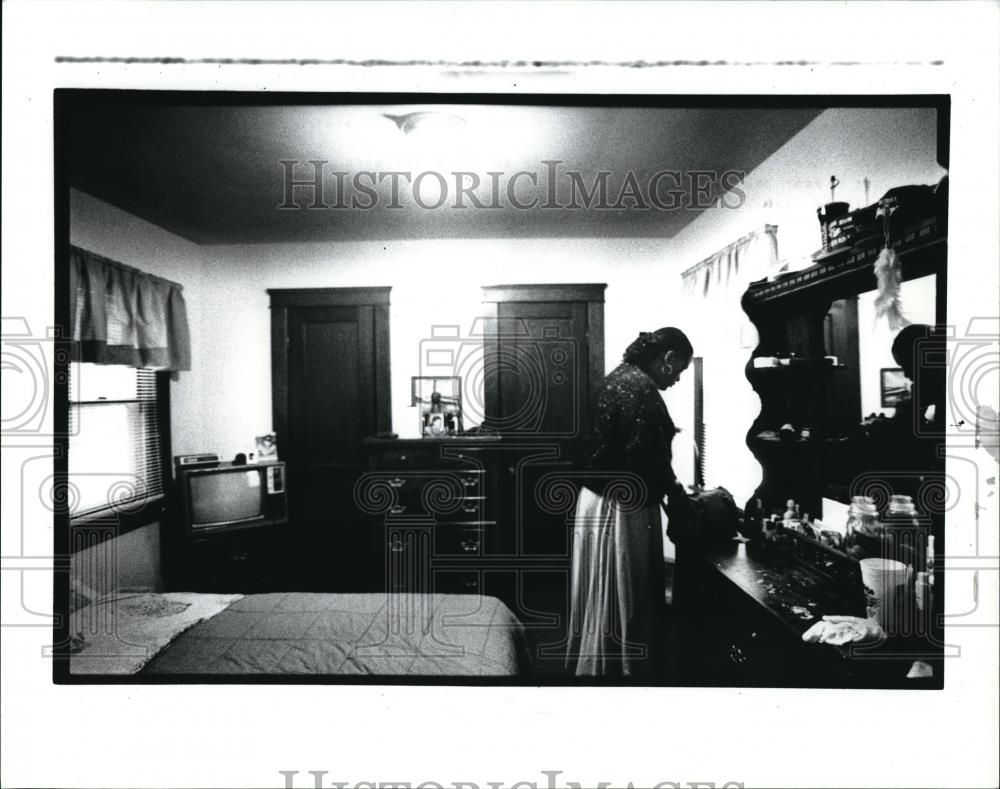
x=699, y=420
x=279, y=372
x=595, y=349
x=545, y=292
x=118, y=524
x=383, y=375
x=329, y=297
x=163, y=417
x=941, y=297
x=491, y=352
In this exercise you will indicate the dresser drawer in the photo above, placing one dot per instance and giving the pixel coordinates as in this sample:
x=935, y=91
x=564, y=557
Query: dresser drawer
x=463, y=538
x=458, y=582
x=425, y=458
x=465, y=509
x=442, y=494
x=404, y=458
x=471, y=480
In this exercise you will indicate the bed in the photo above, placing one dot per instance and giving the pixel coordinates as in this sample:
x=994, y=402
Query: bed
x=293, y=633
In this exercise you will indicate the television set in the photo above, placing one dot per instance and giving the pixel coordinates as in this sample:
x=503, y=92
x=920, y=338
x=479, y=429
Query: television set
x=226, y=497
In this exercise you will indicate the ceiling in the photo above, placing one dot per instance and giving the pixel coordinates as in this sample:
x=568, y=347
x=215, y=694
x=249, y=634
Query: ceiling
x=212, y=172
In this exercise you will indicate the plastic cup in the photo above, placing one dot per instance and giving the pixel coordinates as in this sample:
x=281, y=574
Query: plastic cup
x=889, y=581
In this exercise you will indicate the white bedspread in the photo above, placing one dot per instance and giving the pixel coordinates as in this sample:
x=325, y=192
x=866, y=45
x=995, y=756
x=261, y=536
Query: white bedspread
x=119, y=634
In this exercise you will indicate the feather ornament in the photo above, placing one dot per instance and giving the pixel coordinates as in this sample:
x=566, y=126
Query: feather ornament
x=888, y=275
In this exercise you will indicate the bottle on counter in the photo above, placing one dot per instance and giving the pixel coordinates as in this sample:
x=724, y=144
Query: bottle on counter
x=755, y=513
x=907, y=533
x=771, y=527
x=924, y=591
x=808, y=527
x=865, y=536
x=789, y=510
x=791, y=520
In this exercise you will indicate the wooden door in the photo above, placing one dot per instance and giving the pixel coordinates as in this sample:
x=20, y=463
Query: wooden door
x=540, y=368
x=330, y=386
x=544, y=359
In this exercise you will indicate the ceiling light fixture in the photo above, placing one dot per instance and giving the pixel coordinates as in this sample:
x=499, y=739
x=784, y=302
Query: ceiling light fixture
x=426, y=122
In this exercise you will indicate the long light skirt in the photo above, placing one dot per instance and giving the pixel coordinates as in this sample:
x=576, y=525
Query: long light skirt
x=617, y=608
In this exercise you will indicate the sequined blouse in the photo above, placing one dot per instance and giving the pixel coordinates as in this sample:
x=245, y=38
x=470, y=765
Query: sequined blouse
x=631, y=431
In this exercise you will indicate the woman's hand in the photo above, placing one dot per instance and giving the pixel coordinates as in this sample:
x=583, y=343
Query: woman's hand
x=675, y=490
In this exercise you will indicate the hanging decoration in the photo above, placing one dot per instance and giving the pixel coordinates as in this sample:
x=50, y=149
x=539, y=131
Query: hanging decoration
x=889, y=276
x=889, y=269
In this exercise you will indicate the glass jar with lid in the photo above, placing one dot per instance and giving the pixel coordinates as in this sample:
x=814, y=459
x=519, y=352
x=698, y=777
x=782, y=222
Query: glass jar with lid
x=865, y=535
x=908, y=532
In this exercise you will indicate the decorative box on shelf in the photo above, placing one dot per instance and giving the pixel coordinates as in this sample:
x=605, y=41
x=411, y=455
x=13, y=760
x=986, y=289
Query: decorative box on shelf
x=854, y=229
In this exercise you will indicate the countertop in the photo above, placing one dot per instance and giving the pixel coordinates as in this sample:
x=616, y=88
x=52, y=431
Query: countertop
x=795, y=596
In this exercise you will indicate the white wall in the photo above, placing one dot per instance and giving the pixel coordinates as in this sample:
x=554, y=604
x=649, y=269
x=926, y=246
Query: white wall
x=131, y=561
x=889, y=147
x=434, y=282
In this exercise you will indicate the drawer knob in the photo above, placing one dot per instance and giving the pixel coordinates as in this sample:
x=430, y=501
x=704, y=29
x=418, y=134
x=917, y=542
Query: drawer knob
x=397, y=509
x=470, y=546
x=396, y=482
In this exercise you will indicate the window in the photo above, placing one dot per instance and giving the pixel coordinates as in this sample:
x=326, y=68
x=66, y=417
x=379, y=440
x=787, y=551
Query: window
x=117, y=439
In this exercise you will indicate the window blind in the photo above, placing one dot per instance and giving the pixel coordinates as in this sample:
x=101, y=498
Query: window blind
x=115, y=444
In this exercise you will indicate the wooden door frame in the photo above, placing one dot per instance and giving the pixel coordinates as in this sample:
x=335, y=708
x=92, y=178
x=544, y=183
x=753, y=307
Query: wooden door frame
x=591, y=294
x=285, y=299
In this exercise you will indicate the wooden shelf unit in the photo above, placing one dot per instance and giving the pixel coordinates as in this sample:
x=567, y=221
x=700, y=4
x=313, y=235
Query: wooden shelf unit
x=792, y=316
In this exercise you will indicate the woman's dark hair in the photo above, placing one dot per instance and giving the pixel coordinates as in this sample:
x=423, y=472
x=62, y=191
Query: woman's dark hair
x=648, y=345
x=913, y=338
x=920, y=350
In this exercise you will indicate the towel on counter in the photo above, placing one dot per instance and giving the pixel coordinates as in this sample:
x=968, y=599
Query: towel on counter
x=840, y=630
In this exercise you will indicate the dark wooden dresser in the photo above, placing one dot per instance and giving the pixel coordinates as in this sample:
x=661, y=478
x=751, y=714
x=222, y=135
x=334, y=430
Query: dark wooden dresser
x=433, y=507
x=475, y=514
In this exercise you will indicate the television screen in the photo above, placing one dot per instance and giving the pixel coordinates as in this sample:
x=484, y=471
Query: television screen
x=225, y=497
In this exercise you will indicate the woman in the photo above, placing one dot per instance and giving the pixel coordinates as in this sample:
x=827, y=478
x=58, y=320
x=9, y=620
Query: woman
x=617, y=596
x=920, y=351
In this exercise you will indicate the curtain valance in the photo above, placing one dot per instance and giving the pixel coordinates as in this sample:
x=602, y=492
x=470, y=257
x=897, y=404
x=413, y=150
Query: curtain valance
x=724, y=337
x=121, y=315
x=736, y=264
